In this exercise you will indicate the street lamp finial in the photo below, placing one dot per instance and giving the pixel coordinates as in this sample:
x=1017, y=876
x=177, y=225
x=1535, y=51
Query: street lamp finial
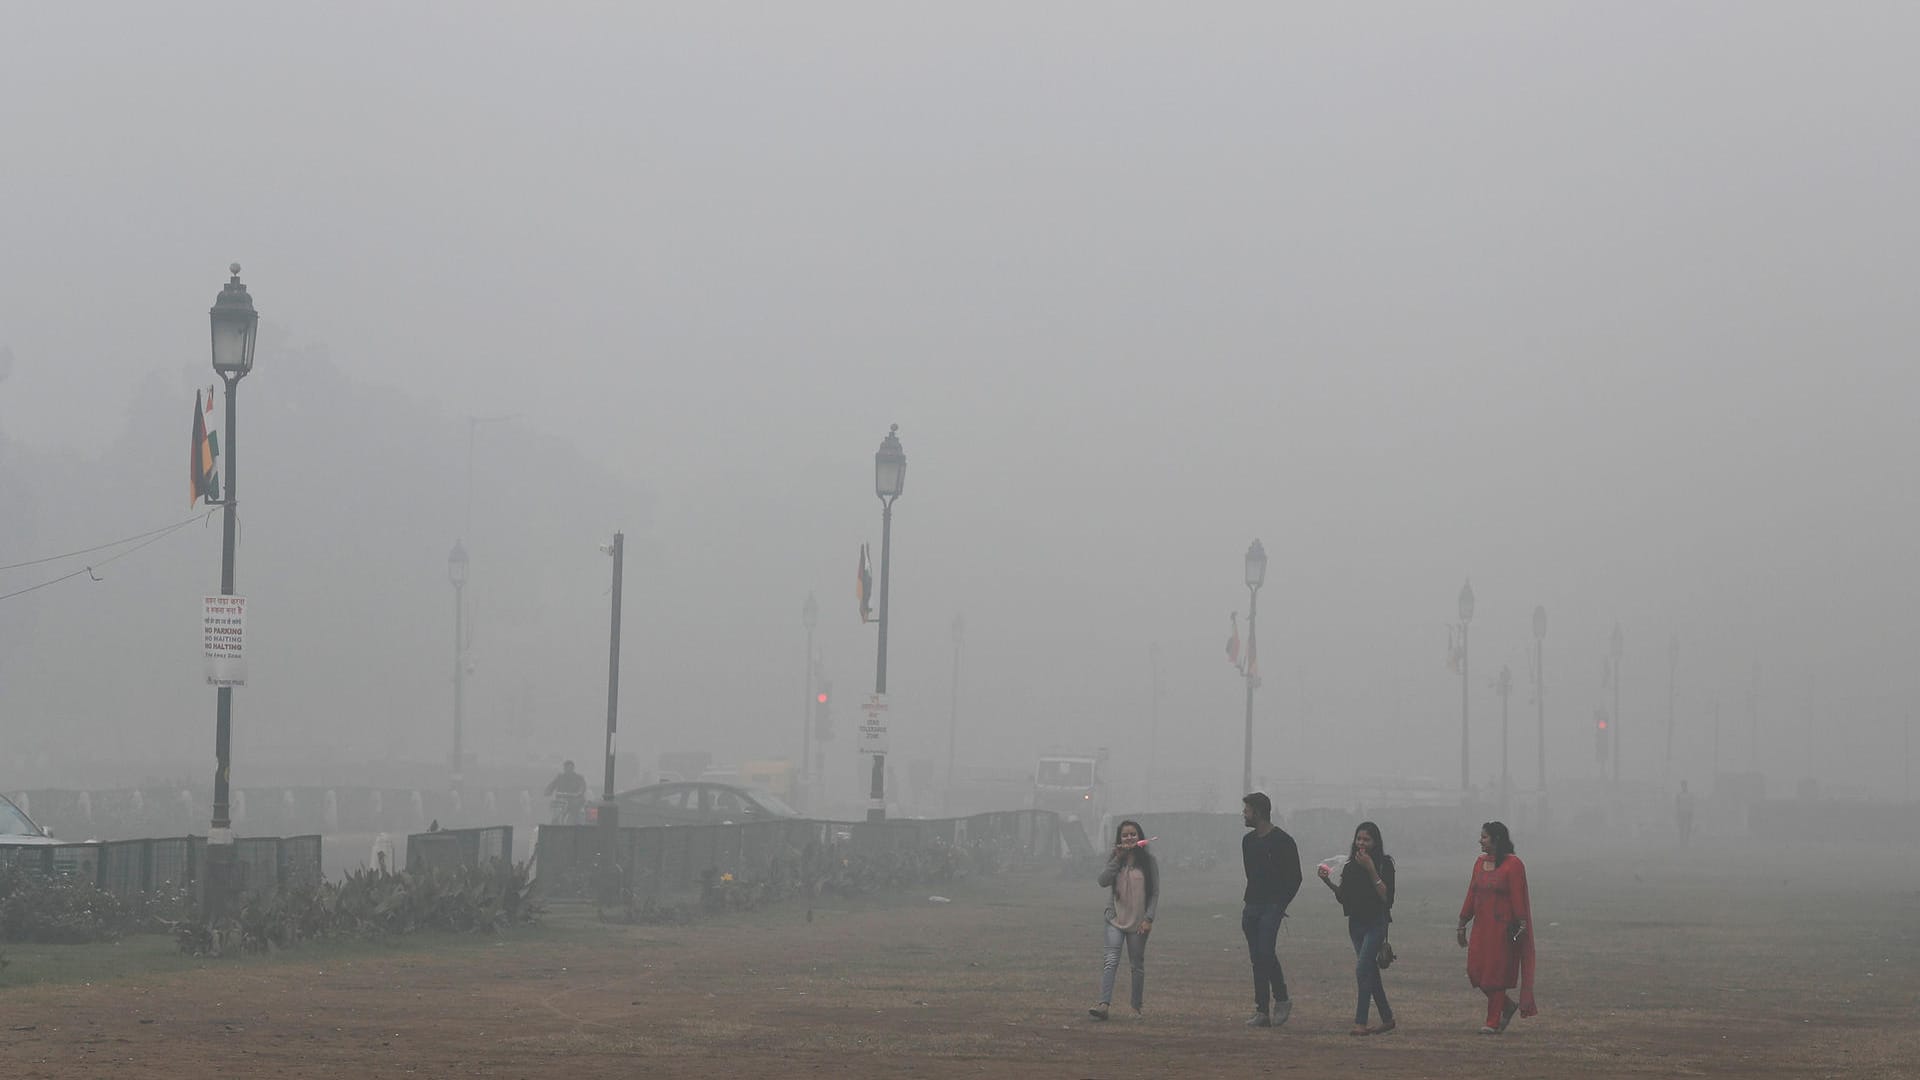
x=234, y=269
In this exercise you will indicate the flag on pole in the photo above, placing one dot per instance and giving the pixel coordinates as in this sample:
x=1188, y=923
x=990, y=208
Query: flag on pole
x=863, y=585
x=1233, y=643
x=204, y=483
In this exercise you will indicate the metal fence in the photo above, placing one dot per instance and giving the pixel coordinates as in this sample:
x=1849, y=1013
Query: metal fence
x=131, y=868
x=660, y=860
x=283, y=811
x=462, y=847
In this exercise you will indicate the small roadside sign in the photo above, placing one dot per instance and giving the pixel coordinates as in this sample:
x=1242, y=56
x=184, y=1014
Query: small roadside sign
x=873, y=725
x=224, y=629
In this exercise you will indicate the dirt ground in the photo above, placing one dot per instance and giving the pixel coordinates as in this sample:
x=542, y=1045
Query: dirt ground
x=1796, y=964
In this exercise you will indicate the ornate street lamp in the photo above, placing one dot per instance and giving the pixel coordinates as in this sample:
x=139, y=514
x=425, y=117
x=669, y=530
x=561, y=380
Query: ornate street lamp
x=889, y=480
x=1256, y=577
x=234, y=324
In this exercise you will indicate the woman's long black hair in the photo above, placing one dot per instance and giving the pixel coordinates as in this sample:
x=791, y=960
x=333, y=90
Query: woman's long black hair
x=1502, y=840
x=1379, y=845
x=1149, y=867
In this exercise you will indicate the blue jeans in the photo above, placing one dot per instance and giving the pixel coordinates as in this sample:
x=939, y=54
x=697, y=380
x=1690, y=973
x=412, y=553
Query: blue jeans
x=1367, y=937
x=1261, y=924
x=1136, y=945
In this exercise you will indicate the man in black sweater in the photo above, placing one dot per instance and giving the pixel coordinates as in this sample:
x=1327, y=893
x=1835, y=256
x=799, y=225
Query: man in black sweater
x=1273, y=877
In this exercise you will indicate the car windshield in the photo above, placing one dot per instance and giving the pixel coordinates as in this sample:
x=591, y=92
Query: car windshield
x=13, y=822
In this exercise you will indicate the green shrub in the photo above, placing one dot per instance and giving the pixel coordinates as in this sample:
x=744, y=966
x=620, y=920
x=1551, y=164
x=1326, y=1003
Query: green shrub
x=372, y=904
x=57, y=910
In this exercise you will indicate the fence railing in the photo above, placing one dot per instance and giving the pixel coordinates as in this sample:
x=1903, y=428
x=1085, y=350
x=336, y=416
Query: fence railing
x=659, y=860
x=460, y=847
x=131, y=868
x=126, y=813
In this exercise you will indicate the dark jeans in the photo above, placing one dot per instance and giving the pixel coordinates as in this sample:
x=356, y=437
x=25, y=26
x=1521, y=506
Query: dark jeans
x=1261, y=924
x=1367, y=937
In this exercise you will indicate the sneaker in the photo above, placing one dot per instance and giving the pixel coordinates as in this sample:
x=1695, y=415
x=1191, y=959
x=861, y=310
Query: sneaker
x=1098, y=1012
x=1281, y=1010
x=1359, y=1030
x=1384, y=1027
x=1136, y=1014
x=1489, y=1030
x=1259, y=1019
x=1506, y=1014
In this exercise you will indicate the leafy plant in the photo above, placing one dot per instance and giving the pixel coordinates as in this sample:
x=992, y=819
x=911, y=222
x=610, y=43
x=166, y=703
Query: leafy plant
x=57, y=909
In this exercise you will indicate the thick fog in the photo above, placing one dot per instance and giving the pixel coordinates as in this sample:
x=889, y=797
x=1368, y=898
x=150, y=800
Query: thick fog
x=1602, y=306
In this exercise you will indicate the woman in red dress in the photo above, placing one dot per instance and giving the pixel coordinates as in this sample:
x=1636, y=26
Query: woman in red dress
x=1500, y=955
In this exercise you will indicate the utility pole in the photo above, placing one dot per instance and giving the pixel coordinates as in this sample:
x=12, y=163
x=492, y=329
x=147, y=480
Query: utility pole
x=953, y=709
x=1153, y=718
x=610, y=810
x=809, y=617
x=1673, y=669
x=1503, y=684
x=1540, y=686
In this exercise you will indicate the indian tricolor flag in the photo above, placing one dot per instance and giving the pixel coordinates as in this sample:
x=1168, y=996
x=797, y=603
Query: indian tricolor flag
x=206, y=447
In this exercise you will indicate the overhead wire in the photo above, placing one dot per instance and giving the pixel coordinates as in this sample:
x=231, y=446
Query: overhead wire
x=102, y=547
x=145, y=539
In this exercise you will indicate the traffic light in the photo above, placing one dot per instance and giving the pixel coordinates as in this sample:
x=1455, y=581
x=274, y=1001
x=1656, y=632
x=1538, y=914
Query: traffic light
x=823, y=713
x=1600, y=736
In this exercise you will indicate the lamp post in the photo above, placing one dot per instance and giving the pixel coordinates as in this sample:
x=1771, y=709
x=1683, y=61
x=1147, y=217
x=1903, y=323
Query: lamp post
x=1617, y=647
x=1540, y=687
x=809, y=617
x=235, y=324
x=457, y=574
x=1466, y=617
x=889, y=479
x=1673, y=673
x=608, y=813
x=1503, y=685
x=953, y=711
x=1256, y=577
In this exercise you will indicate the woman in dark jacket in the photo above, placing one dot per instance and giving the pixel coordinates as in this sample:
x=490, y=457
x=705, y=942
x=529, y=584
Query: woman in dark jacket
x=1366, y=893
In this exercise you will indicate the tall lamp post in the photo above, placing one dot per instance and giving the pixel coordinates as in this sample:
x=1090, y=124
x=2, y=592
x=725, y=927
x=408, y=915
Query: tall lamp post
x=457, y=574
x=235, y=324
x=1673, y=675
x=1540, y=687
x=1256, y=577
x=809, y=618
x=608, y=813
x=889, y=479
x=953, y=712
x=1503, y=685
x=1616, y=648
x=1466, y=617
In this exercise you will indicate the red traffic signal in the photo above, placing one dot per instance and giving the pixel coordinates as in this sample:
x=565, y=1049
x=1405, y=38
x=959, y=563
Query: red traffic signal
x=1603, y=725
x=821, y=697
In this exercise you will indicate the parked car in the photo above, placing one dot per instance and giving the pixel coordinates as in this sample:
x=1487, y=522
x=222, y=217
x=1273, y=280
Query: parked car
x=17, y=828
x=700, y=802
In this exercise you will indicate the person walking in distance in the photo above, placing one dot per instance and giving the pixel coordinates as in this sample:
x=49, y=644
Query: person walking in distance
x=1132, y=879
x=1365, y=891
x=1500, y=953
x=1273, y=877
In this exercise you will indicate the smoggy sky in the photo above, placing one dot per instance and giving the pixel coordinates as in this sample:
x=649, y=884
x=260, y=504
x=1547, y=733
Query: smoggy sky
x=1602, y=305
